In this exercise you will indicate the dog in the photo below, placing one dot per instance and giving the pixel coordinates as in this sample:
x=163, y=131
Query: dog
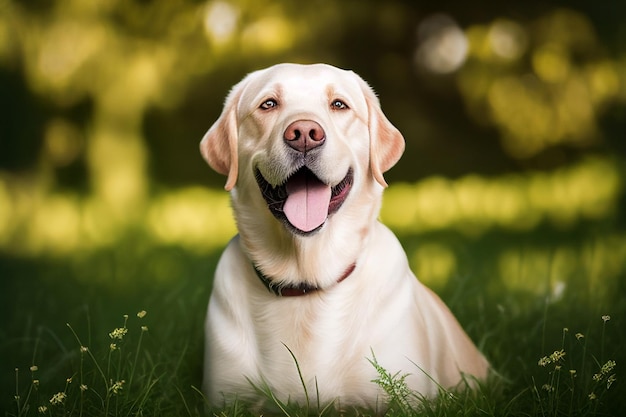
x=314, y=288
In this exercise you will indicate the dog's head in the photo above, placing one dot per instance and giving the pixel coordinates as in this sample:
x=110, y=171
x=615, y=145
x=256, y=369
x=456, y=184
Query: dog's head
x=303, y=140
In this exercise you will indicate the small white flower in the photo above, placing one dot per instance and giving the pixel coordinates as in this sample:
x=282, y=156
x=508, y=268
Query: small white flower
x=610, y=381
x=117, y=387
x=557, y=355
x=58, y=398
x=118, y=333
x=607, y=367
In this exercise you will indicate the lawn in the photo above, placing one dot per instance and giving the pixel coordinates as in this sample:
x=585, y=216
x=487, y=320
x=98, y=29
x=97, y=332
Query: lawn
x=118, y=330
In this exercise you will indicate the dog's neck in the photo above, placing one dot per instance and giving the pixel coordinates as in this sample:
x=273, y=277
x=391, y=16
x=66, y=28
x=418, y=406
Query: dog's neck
x=296, y=290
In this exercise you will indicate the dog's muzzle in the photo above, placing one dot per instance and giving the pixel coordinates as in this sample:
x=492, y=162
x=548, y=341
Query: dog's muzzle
x=304, y=202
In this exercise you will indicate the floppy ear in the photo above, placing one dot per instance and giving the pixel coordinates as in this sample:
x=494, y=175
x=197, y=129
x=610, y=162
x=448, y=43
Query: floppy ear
x=386, y=142
x=219, y=144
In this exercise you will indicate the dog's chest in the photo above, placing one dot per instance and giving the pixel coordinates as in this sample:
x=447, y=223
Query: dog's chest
x=309, y=330
x=322, y=347
x=301, y=324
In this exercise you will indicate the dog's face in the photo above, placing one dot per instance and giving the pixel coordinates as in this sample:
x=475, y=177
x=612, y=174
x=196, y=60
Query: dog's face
x=302, y=142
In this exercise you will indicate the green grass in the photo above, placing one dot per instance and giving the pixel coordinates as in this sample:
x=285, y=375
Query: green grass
x=553, y=352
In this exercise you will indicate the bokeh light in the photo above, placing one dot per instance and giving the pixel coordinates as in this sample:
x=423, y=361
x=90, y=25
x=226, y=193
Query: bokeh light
x=540, y=85
x=474, y=205
x=442, y=44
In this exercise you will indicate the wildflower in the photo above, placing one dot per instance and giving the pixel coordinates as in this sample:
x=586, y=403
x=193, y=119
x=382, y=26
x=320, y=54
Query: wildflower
x=610, y=381
x=607, y=367
x=118, y=333
x=572, y=372
x=34, y=368
x=544, y=361
x=579, y=336
x=117, y=387
x=565, y=329
x=144, y=328
x=126, y=316
x=112, y=346
x=84, y=349
x=58, y=398
x=557, y=355
x=42, y=409
x=69, y=380
x=606, y=318
x=142, y=314
x=592, y=396
x=547, y=387
x=83, y=387
x=557, y=368
x=35, y=383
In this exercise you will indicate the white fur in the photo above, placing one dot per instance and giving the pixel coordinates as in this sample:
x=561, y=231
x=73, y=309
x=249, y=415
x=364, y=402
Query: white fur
x=380, y=309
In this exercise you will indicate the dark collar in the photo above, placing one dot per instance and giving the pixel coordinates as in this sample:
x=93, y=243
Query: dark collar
x=295, y=290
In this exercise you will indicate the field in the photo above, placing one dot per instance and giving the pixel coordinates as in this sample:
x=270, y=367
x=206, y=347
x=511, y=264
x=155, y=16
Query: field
x=117, y=329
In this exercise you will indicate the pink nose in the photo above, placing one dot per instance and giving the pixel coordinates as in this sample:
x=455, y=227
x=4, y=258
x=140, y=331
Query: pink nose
x=304, y=135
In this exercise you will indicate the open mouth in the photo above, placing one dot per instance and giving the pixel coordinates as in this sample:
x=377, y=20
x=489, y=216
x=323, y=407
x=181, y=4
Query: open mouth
x=303, y=201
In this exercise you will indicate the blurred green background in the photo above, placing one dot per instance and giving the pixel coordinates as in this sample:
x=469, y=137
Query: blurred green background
x=509, y=200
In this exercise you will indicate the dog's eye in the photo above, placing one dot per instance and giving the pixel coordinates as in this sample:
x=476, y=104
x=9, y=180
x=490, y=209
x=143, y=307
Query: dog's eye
x=338, y=105
x=268, y=104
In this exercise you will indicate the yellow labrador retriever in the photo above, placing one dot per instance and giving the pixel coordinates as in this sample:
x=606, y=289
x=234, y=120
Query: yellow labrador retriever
x=312, y=272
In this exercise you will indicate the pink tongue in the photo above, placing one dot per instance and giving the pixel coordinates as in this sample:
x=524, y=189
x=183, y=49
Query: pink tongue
x=307, y=201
